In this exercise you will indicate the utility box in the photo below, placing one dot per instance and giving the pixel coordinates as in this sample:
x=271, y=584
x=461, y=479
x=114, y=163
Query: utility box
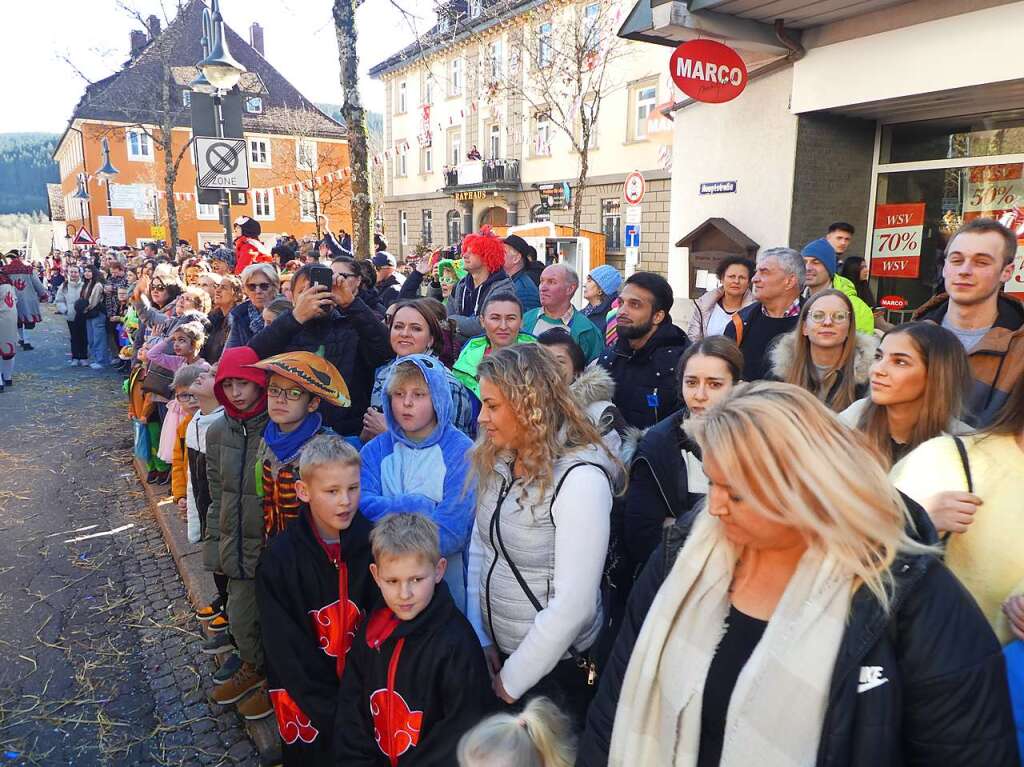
x=709, y=244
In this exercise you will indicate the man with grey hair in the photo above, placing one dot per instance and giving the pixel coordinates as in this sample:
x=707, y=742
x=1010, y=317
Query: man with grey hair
x=778, y=281
x=558, y=284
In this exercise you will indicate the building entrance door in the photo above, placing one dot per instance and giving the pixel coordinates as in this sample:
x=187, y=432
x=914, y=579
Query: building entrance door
x=495, y=216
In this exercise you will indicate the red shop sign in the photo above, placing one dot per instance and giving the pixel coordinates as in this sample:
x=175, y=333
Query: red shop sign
x=708, y=71
x=896, y=245
x=893, y=302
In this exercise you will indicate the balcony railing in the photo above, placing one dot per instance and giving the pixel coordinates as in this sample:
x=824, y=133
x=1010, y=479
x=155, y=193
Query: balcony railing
x=482, y=172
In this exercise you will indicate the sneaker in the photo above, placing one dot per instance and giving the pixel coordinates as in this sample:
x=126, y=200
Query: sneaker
x=8, y=382
x=163, y=477
x=256, y=706
x=83, y=363
x=151, y=477
x=227, y=669
x=210, y=611
x=218, y=623
x=26, y=346
x=245, y=679
x=96, y=366
x=73, y=363
x=218, y=644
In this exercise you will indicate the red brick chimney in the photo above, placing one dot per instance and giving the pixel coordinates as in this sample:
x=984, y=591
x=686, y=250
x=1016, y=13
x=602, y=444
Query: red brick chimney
x=256, y=37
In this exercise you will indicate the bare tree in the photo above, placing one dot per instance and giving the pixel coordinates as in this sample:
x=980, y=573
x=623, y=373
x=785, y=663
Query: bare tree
x=355, y=121
x=561, y=69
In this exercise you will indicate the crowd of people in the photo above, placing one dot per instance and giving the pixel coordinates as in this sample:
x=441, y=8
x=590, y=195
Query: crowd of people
x=460, y=516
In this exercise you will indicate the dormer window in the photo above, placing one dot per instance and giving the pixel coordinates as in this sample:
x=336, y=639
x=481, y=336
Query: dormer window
x=254, y=105
x=475, y=8
x=444, y=22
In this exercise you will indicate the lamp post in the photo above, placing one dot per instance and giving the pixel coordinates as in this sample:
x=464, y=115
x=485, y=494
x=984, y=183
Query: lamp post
x=82, y=195
x=107, y=172
x=219, y=72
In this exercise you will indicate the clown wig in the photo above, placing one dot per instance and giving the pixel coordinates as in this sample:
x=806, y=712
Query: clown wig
x=488, y=246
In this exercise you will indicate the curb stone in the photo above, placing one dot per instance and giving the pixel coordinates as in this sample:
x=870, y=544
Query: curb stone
x=200, y=589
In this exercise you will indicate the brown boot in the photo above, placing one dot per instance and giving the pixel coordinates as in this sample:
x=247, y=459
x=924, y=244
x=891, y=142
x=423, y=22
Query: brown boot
x=245, y=679
x=257, y=705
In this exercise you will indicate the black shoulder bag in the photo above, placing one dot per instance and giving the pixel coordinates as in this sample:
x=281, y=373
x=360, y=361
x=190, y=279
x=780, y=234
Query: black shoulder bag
x=583, y=661
x=962, y=450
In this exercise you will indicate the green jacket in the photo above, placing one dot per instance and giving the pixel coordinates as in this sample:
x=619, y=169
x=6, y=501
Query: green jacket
x=234, y=525
x=583, y=331
x=473, y=354
x=861, y=311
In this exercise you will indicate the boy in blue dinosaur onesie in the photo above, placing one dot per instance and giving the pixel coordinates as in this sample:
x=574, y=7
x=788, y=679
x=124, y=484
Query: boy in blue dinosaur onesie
x=419, y=464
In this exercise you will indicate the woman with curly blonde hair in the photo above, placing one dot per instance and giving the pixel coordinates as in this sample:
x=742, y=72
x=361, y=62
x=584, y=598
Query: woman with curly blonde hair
x=545, y=487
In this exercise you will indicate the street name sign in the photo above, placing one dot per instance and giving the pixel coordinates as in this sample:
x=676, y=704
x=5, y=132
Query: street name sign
x=221, y=163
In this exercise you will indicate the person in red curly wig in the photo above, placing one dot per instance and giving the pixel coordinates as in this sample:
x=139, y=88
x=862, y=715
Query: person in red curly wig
x=483, y=256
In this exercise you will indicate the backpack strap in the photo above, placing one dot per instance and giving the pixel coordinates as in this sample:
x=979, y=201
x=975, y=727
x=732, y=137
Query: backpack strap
x=558, y=486
x=965, y=462
x=737, y=324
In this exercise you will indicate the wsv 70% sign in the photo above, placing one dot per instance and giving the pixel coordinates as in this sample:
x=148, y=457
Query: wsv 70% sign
x=896, y=246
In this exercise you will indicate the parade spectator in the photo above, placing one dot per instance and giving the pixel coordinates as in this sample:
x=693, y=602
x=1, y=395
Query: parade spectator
x=591, y=387
x=260, y=284
x=154, y=301
x=192, y=270
x=116, y=281
x=545, y=484
x=276, y=308
x=824, y=354
x=297, y=383
x=313, y=587
x=209, y=281
x=388, y=282
x=600, y=290
x=820, y=274
x=449, y=273
x=249, y=249
x=419, y=463
x=483, y=258
x=8, y=330
x=340, y=326
x=839, y=236
x=989, y=325
x=918, y=385
x=30, y=292
x=415, y=329
x=518, y=254
x=713, y=311
x=778, y=281
x=95, y=315
x=558, y=284
x=282, y=255
x=501, y=317
x=973, y=499
x=67, y=304
x=855, y=269
x=643, y=360
x=226, y=297
x=667, y=479
x=800, y=584
x=184, y=377
x=367, y=273
x=222, y=261
x=538, y=736
x=416, y=653
x=234, y=526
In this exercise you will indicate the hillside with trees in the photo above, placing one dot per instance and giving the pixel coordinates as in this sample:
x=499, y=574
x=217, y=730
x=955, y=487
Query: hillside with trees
x=26, y=167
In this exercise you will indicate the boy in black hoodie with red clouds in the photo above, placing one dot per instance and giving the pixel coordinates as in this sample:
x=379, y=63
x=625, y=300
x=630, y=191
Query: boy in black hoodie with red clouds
x=313, y=587
x=416, y=679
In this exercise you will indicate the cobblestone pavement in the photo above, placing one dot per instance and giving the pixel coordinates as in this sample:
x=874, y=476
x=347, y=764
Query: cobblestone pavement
x=99, y=652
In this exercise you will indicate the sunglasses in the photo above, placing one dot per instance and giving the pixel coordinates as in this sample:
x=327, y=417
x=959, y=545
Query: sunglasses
x=158, y=286
x=261, y=286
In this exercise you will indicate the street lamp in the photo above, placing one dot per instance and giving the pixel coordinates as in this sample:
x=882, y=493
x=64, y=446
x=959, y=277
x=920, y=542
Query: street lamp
x=107, y=172
x=219, y=66
x=82, y=195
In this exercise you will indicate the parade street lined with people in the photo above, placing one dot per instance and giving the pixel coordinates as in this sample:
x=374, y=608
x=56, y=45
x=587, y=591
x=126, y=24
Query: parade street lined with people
x=596, y=389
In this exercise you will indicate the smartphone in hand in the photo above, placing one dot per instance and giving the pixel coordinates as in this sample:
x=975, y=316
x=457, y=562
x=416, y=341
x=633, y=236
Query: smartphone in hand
x=322, y=275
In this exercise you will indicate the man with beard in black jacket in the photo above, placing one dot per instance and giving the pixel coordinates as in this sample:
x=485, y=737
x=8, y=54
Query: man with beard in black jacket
x=643, y=359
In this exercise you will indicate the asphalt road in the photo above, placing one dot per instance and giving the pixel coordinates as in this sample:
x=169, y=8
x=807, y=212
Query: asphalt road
x=99, y=659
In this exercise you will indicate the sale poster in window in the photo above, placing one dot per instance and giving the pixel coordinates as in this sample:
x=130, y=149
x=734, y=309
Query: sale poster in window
x=896, y=245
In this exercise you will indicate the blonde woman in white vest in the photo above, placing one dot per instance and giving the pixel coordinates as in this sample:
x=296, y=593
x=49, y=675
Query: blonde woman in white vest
x=796, y=621
x=545, y=487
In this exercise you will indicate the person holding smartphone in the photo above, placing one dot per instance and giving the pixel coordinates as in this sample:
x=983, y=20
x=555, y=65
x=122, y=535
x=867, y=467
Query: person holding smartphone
x=339, y=322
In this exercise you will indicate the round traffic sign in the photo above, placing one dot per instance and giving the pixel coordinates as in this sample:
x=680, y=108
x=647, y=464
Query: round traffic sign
x=634, y=188
x=221, y=158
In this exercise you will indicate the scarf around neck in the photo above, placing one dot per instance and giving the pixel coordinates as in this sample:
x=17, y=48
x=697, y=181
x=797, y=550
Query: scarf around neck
x=286, y=445
x=256, y=323
x=658, y=719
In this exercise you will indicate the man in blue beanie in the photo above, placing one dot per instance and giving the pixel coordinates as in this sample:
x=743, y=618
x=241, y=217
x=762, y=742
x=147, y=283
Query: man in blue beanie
x=820, y=263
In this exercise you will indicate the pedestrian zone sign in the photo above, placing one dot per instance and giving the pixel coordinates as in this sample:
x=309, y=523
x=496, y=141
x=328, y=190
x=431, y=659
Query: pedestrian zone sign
x=221, y=163
x=83, y=237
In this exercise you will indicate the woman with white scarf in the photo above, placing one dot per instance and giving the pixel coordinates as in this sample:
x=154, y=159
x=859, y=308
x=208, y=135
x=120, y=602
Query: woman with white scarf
x=803, y=619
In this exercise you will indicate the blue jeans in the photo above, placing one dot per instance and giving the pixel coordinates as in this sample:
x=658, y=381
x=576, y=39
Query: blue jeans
x=96, y=330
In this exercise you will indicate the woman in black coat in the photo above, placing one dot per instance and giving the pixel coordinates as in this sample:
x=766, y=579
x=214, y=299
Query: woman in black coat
x=848, y=646
x=666, y=478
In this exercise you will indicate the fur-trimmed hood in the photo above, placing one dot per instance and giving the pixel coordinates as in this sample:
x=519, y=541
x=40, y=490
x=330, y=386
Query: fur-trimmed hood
x=593, y=390
x=782, y=356
x=594, y=384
